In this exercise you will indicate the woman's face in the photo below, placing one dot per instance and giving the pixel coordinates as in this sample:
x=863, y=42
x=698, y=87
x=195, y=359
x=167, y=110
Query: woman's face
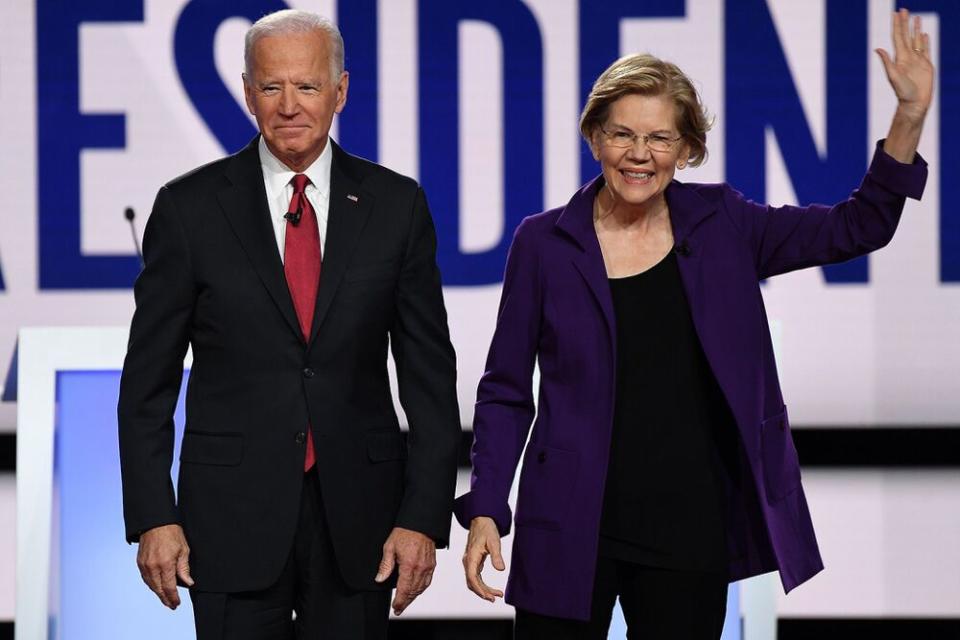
x=637, y=176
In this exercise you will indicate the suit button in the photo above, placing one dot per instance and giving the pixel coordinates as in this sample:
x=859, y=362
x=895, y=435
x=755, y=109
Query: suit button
x=542, y=457
x=308, y=373
x=300, y=438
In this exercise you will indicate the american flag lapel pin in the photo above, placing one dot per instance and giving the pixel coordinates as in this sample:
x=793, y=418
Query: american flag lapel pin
x=352, y=197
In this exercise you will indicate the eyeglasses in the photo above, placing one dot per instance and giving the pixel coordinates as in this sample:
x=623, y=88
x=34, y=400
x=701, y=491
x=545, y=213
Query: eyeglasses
x=623, y=139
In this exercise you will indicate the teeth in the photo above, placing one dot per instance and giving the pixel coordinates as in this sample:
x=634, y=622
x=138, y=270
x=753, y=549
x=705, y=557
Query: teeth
x=636, y=174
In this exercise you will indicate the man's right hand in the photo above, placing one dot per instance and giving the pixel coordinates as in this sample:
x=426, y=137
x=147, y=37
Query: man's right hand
x=483, y=540
x=162, y=558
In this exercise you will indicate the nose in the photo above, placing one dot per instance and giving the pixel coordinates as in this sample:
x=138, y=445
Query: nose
x=289, y=104
x=639, y=151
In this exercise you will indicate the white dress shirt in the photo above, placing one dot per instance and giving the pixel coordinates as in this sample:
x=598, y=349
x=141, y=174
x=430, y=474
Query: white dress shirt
x=276, y=179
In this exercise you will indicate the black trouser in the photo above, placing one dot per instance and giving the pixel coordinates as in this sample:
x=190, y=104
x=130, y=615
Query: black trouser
x=309, y=585
x=658, y=604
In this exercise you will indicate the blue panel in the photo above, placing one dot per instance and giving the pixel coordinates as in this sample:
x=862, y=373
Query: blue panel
x=358, y=124
x=948, y=88
x=193, y=50
x=600, y=46
x=62, y=134
x=440, y=124
x=761, y=96
x=100, y=591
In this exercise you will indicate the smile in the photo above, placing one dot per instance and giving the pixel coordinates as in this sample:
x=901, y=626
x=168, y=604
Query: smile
x=636, y=176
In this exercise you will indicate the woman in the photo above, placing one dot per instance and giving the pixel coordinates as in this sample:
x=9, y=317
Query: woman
x=660, y=466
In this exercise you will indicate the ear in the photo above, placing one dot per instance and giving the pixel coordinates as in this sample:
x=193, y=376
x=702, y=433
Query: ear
x=342, y=87
x=684, y=157
x=248, y=95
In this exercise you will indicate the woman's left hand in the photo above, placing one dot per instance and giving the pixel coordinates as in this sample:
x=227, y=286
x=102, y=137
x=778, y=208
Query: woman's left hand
x=910, y=71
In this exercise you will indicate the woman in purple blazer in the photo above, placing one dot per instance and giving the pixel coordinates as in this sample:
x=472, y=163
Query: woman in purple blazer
x=660, y=466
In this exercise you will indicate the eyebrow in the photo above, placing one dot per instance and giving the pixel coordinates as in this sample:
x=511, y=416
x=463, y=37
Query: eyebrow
x=268, y=81
x=615, y=125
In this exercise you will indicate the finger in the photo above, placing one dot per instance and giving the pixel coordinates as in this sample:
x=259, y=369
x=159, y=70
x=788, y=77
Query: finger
x=402, y=600
x=169, y=587
x=403, y=596
x=887, y=62
x=154, y=580
x=386, y=564
x=496, y=558
x=399, y=602
x=917, y=34
x=489, y=593
x=895, y=34
x=475, y=583
x=903, y=31
x=926, y=45
x=471, y=572
x=183, y=569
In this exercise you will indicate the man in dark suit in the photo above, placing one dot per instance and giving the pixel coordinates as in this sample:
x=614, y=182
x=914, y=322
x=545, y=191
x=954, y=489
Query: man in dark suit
x=289, y=267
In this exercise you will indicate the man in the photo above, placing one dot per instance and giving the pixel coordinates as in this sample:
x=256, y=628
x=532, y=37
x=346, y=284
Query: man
x=289, y=267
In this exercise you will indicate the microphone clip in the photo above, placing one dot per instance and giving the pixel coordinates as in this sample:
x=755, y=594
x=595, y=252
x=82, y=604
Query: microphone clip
x=293, y=217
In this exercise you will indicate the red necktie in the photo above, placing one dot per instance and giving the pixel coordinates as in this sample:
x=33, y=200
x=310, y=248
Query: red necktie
x=301, y=265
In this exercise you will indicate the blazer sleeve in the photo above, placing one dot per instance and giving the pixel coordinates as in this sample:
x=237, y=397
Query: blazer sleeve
x=787, y=238
x=152, y=371
x=505, y=407
x=427, y=383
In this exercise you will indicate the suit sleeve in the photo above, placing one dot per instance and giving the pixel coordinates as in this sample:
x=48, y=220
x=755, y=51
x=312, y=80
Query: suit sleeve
x=505, y=407
x=787, y=238
x=427, y=383
x=152, y=372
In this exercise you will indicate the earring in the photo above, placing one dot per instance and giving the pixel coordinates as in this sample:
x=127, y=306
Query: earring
x=681, y=164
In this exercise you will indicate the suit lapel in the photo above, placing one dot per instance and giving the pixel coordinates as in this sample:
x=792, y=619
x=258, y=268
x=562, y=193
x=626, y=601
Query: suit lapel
x=576, y=221
x=244, y=204
x=348, y=213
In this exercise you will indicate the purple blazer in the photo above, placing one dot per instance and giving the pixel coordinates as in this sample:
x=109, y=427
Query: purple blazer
x=556, y=310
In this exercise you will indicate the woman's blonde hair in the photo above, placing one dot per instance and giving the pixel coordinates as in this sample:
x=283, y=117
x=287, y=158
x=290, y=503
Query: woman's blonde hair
x=647, y=75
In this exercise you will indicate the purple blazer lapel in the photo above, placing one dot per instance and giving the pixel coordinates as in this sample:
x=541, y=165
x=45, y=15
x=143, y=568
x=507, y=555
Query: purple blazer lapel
x=576, y=221
x=687, y=210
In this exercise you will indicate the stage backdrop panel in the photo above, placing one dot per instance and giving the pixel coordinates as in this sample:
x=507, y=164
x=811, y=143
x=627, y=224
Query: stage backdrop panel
x=480, y=102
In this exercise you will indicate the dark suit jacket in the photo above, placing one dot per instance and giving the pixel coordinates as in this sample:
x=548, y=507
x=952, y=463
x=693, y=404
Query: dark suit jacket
x=213, y=279
x=556, y=310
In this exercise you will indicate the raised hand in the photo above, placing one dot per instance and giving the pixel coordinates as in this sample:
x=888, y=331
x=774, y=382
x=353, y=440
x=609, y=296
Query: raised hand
x=910, y=73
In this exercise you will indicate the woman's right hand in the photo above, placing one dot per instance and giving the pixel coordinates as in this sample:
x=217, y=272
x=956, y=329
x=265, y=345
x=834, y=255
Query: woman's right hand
x=483, y=540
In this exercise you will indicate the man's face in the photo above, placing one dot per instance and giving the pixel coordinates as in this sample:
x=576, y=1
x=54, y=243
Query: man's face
x=292, y=96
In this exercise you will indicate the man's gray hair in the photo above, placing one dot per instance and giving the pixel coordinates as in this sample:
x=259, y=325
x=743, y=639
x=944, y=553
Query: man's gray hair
x=294, y=21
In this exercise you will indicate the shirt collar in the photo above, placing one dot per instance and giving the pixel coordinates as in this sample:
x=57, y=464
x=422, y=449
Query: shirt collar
x=278, y=175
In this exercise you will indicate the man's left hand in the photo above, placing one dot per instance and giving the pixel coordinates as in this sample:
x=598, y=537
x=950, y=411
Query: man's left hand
x=416, y=556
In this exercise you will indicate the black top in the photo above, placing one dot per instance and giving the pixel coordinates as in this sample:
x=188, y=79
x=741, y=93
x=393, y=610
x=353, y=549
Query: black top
x=664, y=501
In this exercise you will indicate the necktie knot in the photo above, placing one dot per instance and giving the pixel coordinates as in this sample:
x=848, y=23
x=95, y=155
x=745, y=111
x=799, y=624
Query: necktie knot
x=300, y=182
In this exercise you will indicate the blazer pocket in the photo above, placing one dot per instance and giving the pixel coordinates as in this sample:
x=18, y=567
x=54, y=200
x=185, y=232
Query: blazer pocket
x=781, y=467
x=219, y=449
x=382, y=447
x=546, y=486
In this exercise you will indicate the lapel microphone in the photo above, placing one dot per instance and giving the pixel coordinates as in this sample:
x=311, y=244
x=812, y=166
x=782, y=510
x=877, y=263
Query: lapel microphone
x=293, y=217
